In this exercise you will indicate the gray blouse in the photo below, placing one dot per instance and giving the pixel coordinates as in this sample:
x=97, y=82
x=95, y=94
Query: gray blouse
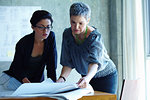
x=79, y=56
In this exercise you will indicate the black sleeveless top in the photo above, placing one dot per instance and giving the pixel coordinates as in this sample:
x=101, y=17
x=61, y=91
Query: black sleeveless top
x=34, y=68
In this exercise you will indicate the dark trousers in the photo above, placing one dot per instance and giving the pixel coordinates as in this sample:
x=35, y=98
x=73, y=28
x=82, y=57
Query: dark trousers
x=107, y=84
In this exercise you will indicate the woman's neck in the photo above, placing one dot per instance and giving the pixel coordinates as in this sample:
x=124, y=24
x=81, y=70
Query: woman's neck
x=38, y=41
x=81, y=37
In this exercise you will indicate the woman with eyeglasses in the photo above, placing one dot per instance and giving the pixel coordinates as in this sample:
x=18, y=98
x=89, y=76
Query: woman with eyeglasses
x=33, y=52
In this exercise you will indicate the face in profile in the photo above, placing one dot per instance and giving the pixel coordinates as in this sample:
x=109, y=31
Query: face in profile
x=42, y=29
x=78, y=24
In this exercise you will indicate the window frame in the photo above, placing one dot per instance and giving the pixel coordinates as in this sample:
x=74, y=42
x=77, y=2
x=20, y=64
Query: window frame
x=148, y=29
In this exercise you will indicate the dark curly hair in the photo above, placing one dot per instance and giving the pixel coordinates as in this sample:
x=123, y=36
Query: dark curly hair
x=39, y=15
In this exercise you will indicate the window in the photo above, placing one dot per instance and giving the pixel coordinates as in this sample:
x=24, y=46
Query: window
x=147, y=46
x=148, y=29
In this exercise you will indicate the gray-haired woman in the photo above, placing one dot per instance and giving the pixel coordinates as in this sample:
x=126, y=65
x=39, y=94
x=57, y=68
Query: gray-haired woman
x=83, y=49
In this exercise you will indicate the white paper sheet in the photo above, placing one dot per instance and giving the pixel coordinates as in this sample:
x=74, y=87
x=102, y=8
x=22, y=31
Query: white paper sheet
x=46, y=88
x=50, y=89
x=72, y=95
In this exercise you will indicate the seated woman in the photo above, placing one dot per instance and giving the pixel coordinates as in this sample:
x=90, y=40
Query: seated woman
x=33, y=52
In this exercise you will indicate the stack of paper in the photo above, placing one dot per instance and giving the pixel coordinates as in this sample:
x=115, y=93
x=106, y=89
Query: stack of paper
x=49, y=89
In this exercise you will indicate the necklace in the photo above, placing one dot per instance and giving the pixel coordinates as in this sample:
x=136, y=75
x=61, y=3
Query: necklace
x=81, y=41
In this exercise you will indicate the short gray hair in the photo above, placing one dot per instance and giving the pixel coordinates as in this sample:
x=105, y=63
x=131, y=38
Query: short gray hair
x=80, y=9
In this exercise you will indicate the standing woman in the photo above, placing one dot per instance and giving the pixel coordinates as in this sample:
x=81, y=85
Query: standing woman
x=83, y=49
x=33, y=52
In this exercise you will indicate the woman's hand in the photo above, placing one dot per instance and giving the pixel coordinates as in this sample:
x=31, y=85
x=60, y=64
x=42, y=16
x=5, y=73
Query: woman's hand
x=83, y=82
x=60, y=80
x=25, y=80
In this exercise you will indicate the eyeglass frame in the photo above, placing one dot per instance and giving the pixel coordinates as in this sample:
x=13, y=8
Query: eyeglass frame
x=42, y=28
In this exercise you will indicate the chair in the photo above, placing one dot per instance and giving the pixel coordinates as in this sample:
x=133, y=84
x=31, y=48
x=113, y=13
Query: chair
x=130, y=90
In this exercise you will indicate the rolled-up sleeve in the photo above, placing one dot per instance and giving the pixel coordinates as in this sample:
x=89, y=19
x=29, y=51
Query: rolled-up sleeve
x=97, y=52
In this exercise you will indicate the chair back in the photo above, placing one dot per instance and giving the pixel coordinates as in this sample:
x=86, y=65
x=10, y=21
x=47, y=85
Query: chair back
x=130, y=90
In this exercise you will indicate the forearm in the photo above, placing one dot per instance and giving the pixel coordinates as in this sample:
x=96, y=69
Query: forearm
x=84, y=81
x=64, y=74
x=65, y=71
x=91, y=71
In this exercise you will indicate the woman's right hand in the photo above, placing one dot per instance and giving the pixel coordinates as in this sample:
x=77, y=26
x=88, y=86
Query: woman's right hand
x=60, y=80
x=25, y=80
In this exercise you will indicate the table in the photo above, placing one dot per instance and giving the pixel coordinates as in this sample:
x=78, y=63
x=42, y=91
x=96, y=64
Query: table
x=100, y=96
x=96, y=96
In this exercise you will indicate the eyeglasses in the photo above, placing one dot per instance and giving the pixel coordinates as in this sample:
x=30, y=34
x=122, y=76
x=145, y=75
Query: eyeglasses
x=42, y=28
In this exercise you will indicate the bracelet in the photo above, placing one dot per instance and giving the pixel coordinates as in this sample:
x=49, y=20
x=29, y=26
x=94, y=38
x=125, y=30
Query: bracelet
x=63, y=78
